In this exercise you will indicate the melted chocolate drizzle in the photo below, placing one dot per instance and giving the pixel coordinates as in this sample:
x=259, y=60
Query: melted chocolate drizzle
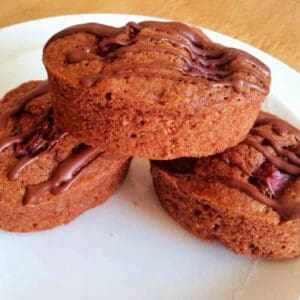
x=198, y=64
x=251, y=190
x=278, y=161
x=44, y=135
x=283, y=182
x=81, y=54
x=285, y=160
x=28, y=147
x=287, y=204
x=6, y=143
x=64, y=175
x=15, y=171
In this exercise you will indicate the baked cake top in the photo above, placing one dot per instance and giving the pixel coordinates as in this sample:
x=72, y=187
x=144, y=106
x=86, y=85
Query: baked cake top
x=266, y=166
x=169, y=55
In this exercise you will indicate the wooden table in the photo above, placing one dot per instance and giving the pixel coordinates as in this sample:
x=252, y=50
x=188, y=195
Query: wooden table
x=272, y=25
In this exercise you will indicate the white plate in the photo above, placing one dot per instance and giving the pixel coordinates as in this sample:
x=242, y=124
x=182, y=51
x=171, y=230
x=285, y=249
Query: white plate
x=129, y=248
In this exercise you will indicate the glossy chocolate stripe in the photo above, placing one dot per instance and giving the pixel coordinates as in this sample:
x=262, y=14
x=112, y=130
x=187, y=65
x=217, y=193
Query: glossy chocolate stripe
x=180, y=42
x=287, y=206
x=117, y=40
x=279, y=162
x=185, y=37
x=9, y=141
x=214, y=73
x=280, y=126
x=178, y=29
x=250, y=190
x=44, y=136
x=276, y=146
x=78, y=55
x=96, y=29
x=252, y=60
x=15, y=171
x=193, y=66
x=64, y=175
x=226, y=57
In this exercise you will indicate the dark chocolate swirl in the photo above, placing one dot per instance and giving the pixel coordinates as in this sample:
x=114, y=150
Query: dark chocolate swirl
x=199, y=63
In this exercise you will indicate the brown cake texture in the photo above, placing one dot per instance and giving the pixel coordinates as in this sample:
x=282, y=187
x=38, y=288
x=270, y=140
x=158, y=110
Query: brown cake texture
x=158, y=90
x=247, y=197
x=47, y=177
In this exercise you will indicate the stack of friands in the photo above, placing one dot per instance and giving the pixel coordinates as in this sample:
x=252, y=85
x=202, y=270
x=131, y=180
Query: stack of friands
x=164, y=91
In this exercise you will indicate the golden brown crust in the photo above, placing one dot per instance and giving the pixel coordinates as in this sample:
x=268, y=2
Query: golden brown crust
x=148, y=116
x=101, y=178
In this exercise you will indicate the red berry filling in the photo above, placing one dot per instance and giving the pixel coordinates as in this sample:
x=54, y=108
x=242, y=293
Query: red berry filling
x=272, y=178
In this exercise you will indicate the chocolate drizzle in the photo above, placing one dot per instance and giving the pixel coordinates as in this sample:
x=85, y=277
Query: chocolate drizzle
x=251, y=190
x=198, y=64
x=64, y=175
x=279, y=126
x=285, y=160
x=278, y=161
x=96, y=29
x=275, y=183
x=80, y=54
x=292, y=156
x=27, y=147
x=42, y=137
x=15, y=171
x=286, y=203
x=10, y=141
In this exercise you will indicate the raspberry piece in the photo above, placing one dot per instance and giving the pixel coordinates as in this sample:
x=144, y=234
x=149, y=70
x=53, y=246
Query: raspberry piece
x=275, y=179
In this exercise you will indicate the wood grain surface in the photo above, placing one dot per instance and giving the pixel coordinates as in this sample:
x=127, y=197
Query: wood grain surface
x=271, y=25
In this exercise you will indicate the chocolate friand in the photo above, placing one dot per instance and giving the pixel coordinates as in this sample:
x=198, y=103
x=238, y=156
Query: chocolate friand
x=47, y=177
x=158, y=90
x=282, y=166
x=247, y=197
